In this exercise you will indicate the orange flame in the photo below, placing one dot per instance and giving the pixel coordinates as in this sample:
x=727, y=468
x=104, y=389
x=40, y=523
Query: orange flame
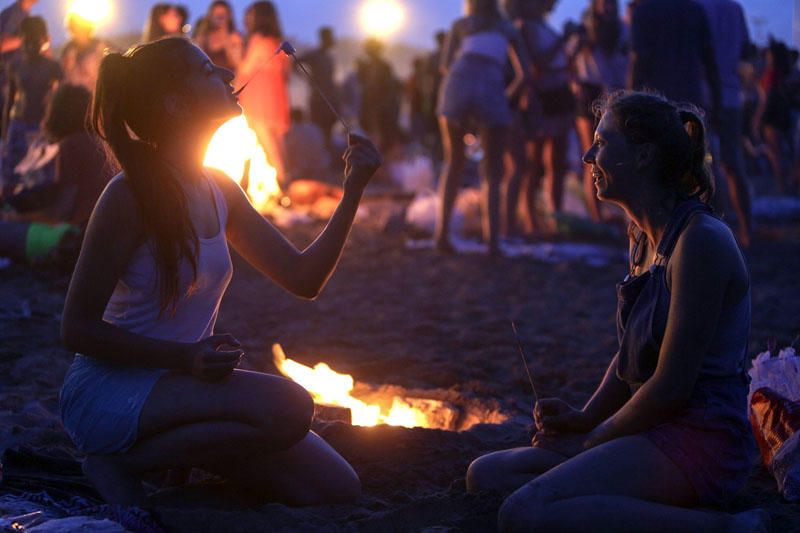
x=332, y=388
x=230, y=149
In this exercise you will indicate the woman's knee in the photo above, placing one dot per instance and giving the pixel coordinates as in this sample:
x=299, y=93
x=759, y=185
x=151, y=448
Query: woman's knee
x=482, y=474
x=284, y=413
x=524, y=510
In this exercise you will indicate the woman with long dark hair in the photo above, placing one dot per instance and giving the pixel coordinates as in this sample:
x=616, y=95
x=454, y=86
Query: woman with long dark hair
x=165, y=20
x=154, y=387
x=218, y=36
x=600, y=67
x=266, y=100
x=474, y=94
x=666, y=431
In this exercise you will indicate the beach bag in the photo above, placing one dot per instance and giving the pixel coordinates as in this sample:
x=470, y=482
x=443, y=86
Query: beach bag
x=775, y=416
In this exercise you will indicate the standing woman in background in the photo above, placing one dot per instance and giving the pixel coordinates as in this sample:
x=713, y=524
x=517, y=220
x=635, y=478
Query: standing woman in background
x=165, y=20
x=551, y=105
x=266, y=100
x=474, y=93
x=600, y=66
x=219, y=38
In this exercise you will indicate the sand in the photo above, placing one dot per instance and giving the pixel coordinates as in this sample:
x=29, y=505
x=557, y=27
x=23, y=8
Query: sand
x=408, y=318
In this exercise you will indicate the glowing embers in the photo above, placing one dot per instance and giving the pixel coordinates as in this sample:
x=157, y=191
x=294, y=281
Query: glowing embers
x=234, y=149
x=389, y=405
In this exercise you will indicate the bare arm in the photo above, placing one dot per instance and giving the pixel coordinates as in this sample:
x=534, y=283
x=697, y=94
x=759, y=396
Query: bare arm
x=609, y=396
x=704, y=268
x=303, y=273
x=9, y=43
x=520, y=61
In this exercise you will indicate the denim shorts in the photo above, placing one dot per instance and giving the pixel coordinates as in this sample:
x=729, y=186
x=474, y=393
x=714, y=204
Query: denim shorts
x=101, y=404
x=474, y=92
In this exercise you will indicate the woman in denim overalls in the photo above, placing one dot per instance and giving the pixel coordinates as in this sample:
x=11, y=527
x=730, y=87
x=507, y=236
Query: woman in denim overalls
x=666, y=431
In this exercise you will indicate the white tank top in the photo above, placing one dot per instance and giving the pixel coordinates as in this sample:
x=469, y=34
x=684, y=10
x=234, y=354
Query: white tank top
x=135, y=302
x=491, y=44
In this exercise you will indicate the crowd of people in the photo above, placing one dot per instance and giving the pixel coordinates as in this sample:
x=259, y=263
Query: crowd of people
x=153, y=387
x=502, y=72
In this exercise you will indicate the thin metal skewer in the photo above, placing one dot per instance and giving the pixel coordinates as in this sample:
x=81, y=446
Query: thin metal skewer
x=287, y=48
x=263, y=64
x=524, y=361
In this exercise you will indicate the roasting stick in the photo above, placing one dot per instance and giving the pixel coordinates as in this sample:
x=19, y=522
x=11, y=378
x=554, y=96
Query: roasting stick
x=287, y=48
x=524, y=361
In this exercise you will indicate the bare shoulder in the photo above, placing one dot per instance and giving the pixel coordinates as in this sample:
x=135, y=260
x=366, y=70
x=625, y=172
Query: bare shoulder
x=708, y=250
x=117, y=203
x=231, y=190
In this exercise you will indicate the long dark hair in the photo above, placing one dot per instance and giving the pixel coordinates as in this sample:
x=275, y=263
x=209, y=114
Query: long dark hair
x=677, y=131
x=228, y=8
x=130, y=88
x=265, y=19
x=604, y=32
x=66, y=112
x=33, y=31
x=154, y=31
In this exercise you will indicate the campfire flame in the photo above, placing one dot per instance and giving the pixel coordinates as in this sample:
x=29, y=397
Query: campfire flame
x=234, y=149
x=329, y=387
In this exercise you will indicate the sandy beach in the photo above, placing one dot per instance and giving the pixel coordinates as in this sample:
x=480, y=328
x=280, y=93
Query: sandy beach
x=426, y=324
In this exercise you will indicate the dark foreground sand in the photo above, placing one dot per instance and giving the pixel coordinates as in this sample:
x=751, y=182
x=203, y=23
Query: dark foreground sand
x=413, y=319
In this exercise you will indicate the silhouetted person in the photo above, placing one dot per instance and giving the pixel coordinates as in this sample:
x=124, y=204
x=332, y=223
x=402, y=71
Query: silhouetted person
x=322, y=66
x=380, y=94
x=731, y=44
x=673, y=52
x=218, y=37
x=31, y=78
x=165, y=20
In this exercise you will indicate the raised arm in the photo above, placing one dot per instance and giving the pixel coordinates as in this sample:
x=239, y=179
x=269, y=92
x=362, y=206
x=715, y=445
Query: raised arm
x=114, y=232
x=303, y=273
x=705, y=266
x=520, y=61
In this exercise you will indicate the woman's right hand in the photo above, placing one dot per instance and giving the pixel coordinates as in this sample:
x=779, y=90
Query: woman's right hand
x=207, y=361
x=361, y=160
x=553, y=415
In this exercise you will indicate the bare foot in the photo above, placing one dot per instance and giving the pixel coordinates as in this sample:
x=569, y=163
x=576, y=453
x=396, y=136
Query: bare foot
x=114, y=482
x=752, y=521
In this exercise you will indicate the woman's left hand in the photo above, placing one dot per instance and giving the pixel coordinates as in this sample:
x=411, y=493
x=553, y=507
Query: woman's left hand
x=566, y=444
x=361, y=160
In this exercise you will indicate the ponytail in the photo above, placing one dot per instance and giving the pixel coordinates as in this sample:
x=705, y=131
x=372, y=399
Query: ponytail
x=698, y=179
x=127, y=87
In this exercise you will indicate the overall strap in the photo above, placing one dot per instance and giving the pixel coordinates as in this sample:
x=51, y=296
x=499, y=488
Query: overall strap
x=681, y=216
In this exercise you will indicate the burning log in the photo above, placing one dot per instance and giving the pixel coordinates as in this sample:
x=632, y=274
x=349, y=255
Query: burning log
x=334, y=393
x=333, y=413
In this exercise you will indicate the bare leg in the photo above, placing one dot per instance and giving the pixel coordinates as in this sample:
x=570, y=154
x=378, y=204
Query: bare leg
x=508, y=470
x=772, y=140
x=585, y=131
x=626, y=485
x=739, y=191
x=556, y=163
x=187, y=422
x=533, y=180
x=308, y=473
x=515, y=160
x=492, y=168
x=450, y=179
